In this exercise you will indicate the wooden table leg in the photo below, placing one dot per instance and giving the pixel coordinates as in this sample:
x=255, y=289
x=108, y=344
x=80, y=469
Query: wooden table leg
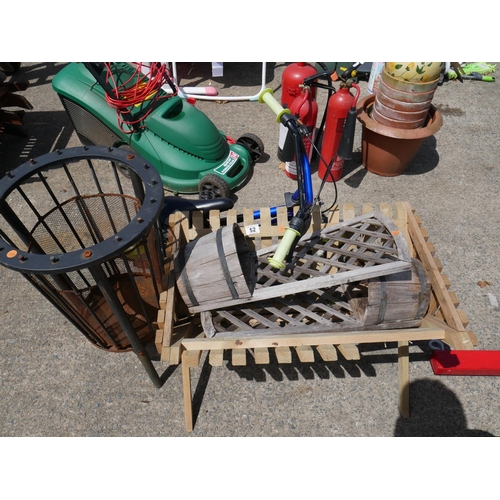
x=404, y=378
x=189, y=359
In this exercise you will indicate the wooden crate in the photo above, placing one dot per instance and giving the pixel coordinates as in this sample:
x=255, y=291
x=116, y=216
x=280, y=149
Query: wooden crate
x=181, y=339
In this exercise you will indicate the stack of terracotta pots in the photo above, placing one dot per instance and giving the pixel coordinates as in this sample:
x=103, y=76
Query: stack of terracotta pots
x=399, y=117
x=404, y=94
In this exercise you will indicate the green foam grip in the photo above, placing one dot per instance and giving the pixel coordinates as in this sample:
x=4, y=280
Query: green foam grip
x=277, y=261
x=266, y=96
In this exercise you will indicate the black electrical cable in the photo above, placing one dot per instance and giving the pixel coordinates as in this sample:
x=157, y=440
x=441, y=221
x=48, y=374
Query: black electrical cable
x=323, y=180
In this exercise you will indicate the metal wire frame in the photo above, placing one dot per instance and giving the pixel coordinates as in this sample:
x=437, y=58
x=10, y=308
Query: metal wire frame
x=87, y=237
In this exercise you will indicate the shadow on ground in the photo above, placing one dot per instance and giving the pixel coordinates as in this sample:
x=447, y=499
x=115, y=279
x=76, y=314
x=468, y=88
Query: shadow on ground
x=435, y=411
x=297, y=370
x=46, y=132
x=425, y=160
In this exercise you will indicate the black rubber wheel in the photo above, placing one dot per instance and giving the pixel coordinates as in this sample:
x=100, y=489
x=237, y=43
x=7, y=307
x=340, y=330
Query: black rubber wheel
x=254, y=145
x=212, y=186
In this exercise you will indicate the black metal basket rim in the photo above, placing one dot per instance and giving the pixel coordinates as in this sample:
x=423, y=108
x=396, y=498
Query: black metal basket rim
x=27, y=262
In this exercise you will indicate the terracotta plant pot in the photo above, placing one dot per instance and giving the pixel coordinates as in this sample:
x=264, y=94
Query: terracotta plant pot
x=388, y=151
x=400, y=84
x=397, y=118
x=405, y=96
x=401, y=105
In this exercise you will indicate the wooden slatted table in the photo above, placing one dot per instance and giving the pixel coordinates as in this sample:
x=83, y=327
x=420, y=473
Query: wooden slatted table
x=182, y=340
x=324, y=342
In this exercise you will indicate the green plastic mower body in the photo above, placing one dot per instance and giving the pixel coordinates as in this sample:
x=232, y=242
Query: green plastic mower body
x=179, y=140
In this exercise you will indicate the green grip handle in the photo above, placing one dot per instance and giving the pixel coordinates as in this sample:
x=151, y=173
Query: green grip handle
x=266, y=96
x=278, y=259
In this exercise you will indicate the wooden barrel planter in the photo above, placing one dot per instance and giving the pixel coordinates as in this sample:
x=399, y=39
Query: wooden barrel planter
x=217, y=266
x=388, y=301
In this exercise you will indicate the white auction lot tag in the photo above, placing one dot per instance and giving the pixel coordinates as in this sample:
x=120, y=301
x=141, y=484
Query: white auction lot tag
x=252, y=229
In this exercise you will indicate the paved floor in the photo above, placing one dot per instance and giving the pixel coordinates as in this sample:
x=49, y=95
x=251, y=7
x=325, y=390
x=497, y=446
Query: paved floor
x=55, y=383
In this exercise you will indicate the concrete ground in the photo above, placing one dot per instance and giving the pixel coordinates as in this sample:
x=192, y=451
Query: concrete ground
x=55, y=383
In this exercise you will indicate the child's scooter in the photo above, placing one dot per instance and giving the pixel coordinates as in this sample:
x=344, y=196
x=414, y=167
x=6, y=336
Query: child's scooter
x=117, y=105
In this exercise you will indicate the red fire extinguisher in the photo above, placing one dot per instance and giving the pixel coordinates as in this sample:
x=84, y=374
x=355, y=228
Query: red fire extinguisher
x=306, y=108
x=291, y=80
x=338, y=108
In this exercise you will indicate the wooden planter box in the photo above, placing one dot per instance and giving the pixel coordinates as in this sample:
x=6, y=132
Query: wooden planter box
x=180, y=337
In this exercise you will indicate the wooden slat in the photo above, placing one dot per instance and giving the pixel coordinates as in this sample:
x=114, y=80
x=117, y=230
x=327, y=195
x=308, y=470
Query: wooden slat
x=166, y=314
x=172, y=354
x=305, y=353
x=348, y=211
x=261, y=355
x=216, y=357
x=332, y=217
x=404, y=378
x=463, y=317
x=169, y=317
x=439, y=264
x=265, y=225
x=439, y=287
x=283, y=354
x=239, y=357
x=197, y=230
x=401, y=210
x=165, y=354
x=456, y=339
x=311, y=330
x=232, y=216
x=386, y=209
x=366, y=208
x=446, y=280
x=158, y=340
x=327, y=352
x=214, y=219
x=349, y=351
x=423, y=232
x=315, y=339
x=316, y=220
x=473, y=338
x=163, y=300
x=431, y=248
x=453, y=297
x=207, y=324
x=327, y=281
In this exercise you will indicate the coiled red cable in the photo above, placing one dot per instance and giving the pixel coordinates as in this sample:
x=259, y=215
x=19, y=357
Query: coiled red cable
x=143, y=85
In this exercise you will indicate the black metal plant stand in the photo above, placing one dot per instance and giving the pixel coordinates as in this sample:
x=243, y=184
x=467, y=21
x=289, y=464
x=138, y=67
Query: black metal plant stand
x=81, y=224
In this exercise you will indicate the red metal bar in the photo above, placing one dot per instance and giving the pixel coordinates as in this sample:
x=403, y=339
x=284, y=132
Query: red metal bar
x=465, y=362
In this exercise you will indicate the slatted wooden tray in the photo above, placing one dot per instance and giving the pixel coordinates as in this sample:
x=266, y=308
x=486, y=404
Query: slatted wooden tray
x=443, y=312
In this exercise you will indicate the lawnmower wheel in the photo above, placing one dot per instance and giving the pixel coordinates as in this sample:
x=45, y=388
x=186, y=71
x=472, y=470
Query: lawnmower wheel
x=212, y=186
x=254, y=145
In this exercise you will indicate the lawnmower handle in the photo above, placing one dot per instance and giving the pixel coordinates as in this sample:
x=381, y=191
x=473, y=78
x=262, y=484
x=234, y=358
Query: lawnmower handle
x=278, y=259
x=266, y=96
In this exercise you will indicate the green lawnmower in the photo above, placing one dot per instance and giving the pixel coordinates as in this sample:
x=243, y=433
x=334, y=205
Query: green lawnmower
x=121, y=105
